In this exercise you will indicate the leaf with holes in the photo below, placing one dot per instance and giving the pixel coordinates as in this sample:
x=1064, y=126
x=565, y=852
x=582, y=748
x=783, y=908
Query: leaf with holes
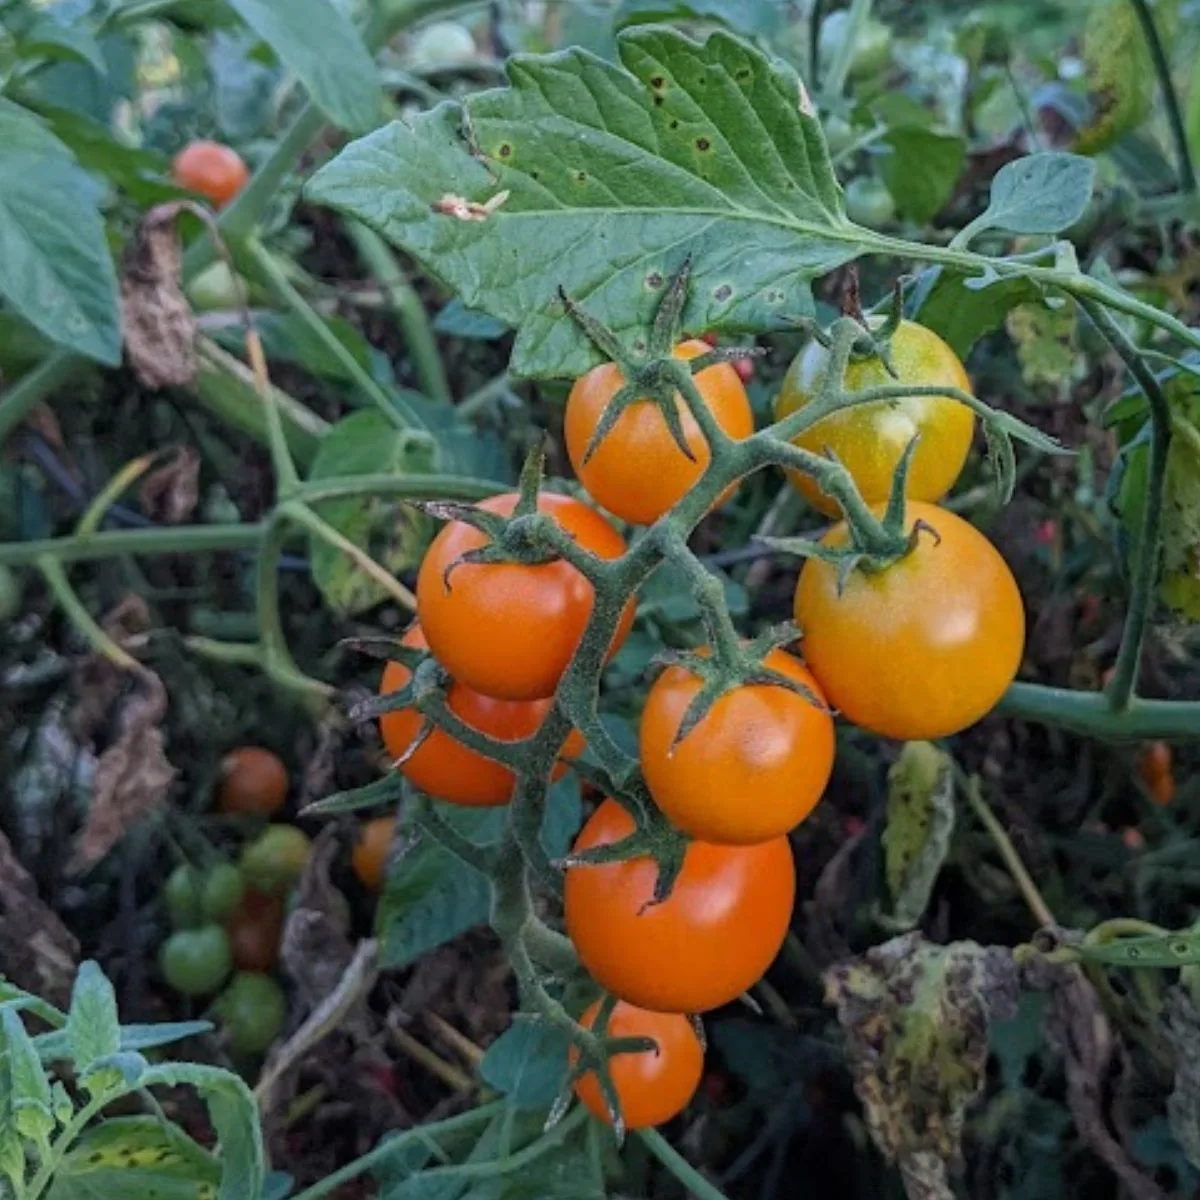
x=600, y=180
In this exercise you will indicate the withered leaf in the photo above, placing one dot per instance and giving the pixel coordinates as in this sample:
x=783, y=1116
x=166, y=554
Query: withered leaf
x=1183, y=1031
x=916, y=1017
x=170, y=493
x=156, y=318
x=132, y=776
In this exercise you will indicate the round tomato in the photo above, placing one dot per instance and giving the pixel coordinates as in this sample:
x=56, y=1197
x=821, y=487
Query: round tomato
x=509, y=629
x=926, y=646
x=253, y=782
x=223, y=891
x=255, y=930
x=703, y=946
x=211, y=170
x=195, y=962
x=369, y=857
x=638, y=471
x=445, y=768
x=868, y=202
x=652, y=1086
x=752, y=768
x=183, y=894
x=869, y=439
x=252, y=1010
x=276, y=859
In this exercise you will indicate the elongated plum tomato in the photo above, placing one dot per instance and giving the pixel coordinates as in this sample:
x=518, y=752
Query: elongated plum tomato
x=926, y=646
x=509, y=629
x=638, y=471
x=869, y=439
x=445, y=768
x=703, y=946
x=654, y=1085
x=214, y=171
x=752, y=768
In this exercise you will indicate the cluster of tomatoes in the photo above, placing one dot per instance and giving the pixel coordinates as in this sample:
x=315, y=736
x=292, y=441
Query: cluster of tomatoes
x=920, y=649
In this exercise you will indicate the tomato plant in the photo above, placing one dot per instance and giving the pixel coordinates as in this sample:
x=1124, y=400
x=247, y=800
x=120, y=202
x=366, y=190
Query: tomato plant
x=214, y=171
x=509, y=629
x=654, y=1085
x=923, y=648
x=704, y=945
x=755, y=764
x=870, y=438
x=253, y=782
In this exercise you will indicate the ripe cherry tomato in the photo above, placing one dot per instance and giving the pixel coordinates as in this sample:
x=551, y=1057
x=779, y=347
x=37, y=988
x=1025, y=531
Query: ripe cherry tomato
x=638, y=471
x=703, y=946
x=751, y=769
x=195, y=962
x=869, y=439
x=1154, y=768
x=276, y=859
x=252, y=1010
x=445, y=768
x=211, y=170
x=253, y=782
x=923, y=648
x=255, y=931
x=652, y=1087
x=370, y=854
x=508, y=629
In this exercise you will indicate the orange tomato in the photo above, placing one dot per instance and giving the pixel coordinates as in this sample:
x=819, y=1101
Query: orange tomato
x=443, y=767
x=370, y=854
x=923, y=648
x=752, y=768
x=868, y=439
x=638, y=471
x=1154, y=768
x=509, y=629
x=210, y=169
x=255, y=931
x=652, y=1086
x=253, y=782
x=703, y=946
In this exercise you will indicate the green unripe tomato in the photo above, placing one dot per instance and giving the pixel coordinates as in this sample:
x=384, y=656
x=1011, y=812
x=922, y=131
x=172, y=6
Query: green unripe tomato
x=868, y=202
x=251, y=1010
x=195, y=962
x=442, y=44
x=839, y=133
x=10, y=593
x=275, y=859
x=183, y=894
x=216, y=288
x=223, y=891
x=872, y=46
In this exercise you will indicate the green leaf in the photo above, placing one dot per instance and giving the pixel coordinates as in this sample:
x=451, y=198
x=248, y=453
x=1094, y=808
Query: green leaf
x=921, y=170
x=48, y=38
x=1179, y=583
x=29, y=1089
x=135, y=1156
x=600, y=180
x=456, y=320
x=55, y=1046
x=55, y=266
x=753, y=17
x=93, y=1026
x=234, y=1117
x=316, y=39
x=135, y=171
x=286, y=338
x=385, y=791
x=962, y=309
x=431, y=896
x=527, y=1063
x=1120, y=74
x=920, y=824
x=1040, y=193
x=394, y=534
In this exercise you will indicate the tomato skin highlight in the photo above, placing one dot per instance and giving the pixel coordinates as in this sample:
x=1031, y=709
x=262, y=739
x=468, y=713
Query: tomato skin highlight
x=923, y=648
x=651, y=1087
x=755, y=765
x=703, y=946
x=212, y=170
x=869, y=439
x=370, y=854
x=509, y=629
x=443, y=767
x=638, y=471
x=254, y=782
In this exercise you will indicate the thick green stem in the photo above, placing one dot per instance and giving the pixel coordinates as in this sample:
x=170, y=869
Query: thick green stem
x=1145, y=565
x=406, y=304
x=1091, y=714
x=183, y=539
x=696, y=1184
x=1162, y=68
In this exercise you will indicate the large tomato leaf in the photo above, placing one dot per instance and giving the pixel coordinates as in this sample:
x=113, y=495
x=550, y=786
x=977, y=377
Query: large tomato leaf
x=601, y=180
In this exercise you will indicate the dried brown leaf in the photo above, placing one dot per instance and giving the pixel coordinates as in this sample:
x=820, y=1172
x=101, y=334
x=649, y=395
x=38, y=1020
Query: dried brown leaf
x=99, y=683
x=157, y=320
x=132, y=777
x=170, y=493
